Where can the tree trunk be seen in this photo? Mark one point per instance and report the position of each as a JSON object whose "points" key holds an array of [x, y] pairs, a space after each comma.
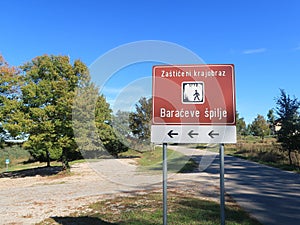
{"points": [[48, 158], [65, 165], [64, 161], [290, 157]]}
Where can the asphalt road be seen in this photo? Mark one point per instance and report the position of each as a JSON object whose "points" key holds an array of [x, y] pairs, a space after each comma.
{"points": [[269, 194]]}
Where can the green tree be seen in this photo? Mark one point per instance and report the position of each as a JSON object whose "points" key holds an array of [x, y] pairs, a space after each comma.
{"points": [[47, 96], [83, 116], [260, 127], [8, 80], [288, 115], [107, 135], [140, 120], [271, 120], [120, 123], [241, 127], [12, 116]]}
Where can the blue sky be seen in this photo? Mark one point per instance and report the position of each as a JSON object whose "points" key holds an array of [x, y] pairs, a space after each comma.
{"points": [[262, 38]]}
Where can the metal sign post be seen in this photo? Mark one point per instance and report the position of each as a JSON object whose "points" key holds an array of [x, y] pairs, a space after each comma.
{"points": [[222, 188], [165, 177]]}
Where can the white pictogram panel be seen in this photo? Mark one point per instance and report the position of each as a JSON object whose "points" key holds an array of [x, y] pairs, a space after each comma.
{"points": [[192, 92]]}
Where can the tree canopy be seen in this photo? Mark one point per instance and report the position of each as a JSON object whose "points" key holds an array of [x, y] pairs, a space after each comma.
{"points": [[37, 99], [108, 137], [241, 127], [11, 114], [287, 111], [260, 127], [271, 120], [47, 97], [140, 120]]}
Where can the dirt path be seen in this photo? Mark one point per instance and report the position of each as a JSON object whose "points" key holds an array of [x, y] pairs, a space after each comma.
{"points": [[29, 200]]}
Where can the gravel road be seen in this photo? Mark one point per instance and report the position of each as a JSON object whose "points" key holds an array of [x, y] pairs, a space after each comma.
{"points": [[31, 199]]}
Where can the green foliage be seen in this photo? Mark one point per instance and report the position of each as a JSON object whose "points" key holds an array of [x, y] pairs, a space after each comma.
{"points": [[289, 118], [38, 99], [83, 116], [241, 127], [9, 77], [140, 120], [120, 123], [15, 154], [268, 152], [271, 120], [260, 127], [11, 116], [47, 97], [177, 162], [105, 130]]}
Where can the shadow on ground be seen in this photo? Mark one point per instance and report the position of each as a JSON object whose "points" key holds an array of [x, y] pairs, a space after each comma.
{"points": [[87, 220], [81, 221], [40, 171]]}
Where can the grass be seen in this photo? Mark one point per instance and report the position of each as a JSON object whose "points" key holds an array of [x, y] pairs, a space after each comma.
{"points": [[146, 209], [266, 152], [177, 162], [131, 154], [21, 165], [147, 161], [15, 154], [32, 165], [20, 159], [251, 148]]}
